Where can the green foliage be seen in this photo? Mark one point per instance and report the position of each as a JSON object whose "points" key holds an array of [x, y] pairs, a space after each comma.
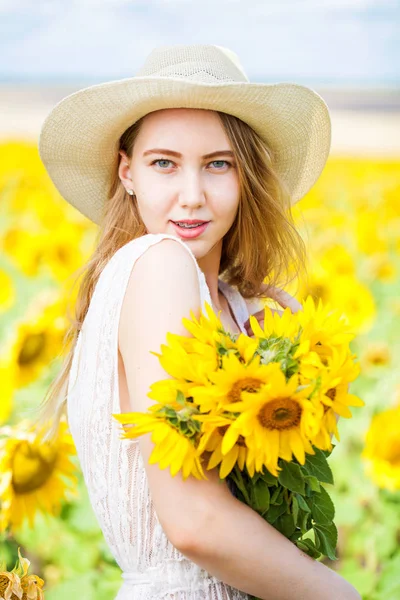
{"points": [[295, 503], [318, 467]]}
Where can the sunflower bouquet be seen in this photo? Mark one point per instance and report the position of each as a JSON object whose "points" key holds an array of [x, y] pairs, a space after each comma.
{"points": [[263, 408]]}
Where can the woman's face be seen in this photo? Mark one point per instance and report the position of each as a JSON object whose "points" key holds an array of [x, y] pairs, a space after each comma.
{"points": [[187, 184]]}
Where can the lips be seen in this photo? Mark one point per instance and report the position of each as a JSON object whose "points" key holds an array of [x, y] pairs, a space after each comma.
{"points": [[187, 222], [190, 232]]}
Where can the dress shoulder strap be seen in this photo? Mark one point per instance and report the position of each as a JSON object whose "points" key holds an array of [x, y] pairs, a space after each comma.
{"points": [[236, 302]]}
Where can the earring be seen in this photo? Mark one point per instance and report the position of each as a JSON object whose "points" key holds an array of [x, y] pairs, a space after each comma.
{"points": [[130, 192]]}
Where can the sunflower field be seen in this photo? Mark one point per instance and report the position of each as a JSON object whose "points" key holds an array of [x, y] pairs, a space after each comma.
{"points": [[350, 221]]}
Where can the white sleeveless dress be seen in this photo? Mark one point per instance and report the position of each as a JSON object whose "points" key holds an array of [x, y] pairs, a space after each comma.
{"points": [[113, 469]]}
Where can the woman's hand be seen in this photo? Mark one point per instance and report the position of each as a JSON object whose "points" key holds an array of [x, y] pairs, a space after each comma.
{"points": [[282, 297]]}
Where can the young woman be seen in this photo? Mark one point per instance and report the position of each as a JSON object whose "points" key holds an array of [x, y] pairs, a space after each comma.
{"points": [[190, 171]]}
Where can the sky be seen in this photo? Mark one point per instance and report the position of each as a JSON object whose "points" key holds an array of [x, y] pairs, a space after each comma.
{"points": [[348, 42]]}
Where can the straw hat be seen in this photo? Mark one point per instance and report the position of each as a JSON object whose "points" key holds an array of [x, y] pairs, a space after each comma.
{"points": [[79, 139]]}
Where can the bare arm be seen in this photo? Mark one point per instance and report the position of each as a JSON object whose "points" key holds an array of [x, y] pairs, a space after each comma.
{"points": [[202, 518], [239, 547]]}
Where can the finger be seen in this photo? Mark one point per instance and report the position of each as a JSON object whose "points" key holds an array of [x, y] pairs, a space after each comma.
{"points": [[284, 298]]}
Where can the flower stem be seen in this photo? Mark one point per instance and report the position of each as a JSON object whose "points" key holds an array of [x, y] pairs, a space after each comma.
{"points": [[238, 479]]}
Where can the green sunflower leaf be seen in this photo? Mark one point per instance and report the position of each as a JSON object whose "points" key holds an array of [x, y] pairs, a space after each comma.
{"points": [[291, 477], [308, 547], [274, 512], [317, 465], [305, 524], [313, 483], [302, 503], [285, 524], [322, 508], [268, 477], [261, 496], [327, 536], [277, 496]]}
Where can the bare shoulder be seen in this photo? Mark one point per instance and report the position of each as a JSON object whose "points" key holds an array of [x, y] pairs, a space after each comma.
{"points": [[166, 254], [163, 287]]}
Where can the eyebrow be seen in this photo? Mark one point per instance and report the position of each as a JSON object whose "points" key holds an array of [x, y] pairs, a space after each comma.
{"points": [[179, 155]]}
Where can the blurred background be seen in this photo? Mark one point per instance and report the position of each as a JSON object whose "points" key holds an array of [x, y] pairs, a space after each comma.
{"points": [[347, 51]]}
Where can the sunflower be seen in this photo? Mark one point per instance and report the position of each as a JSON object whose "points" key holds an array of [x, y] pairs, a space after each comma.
{"points": [[178, 363], [335, 384], [376, 354], [381, 453], [323, 327], [357, 302], [35, 250], [10, 584], [331, 390], [205, 329], [328, 427], [31, 474], [284, 325], [166, 391], [64, 252], [274, 422], [214, 428], [246, 347], [37, 339], [172, 448], [227, 384], [25, 247], [30, 586]]}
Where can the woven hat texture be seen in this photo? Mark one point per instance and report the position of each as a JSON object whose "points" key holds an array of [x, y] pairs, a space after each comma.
{"points": [[79, 139]]}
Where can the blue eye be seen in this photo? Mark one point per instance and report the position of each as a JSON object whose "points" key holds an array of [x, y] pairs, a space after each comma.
{"points": [[221, 161], [161, 160]]}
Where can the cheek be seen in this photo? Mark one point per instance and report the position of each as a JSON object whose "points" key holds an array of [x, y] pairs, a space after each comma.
{"points": [[225, 202], [154, 205], [226, 189]]}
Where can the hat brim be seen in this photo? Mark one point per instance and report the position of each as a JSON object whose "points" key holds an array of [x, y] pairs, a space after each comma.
{"points": [[79, 139]]}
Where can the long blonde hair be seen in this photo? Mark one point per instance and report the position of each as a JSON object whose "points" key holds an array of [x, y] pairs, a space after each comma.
{"points": [[263, 243]]}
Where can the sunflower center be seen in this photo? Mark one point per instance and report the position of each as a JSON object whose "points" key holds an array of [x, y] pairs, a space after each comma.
{"points": [[31, 348], [63, 254], [281, 413], [331, 393], [379, 358], [247, 384], [31, 468]]}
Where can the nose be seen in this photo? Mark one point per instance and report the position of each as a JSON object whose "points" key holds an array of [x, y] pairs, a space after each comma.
{"points": [[192, 190]]}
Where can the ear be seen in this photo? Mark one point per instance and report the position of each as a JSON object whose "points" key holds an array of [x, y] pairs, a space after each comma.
{"points": [[123, 169]]}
